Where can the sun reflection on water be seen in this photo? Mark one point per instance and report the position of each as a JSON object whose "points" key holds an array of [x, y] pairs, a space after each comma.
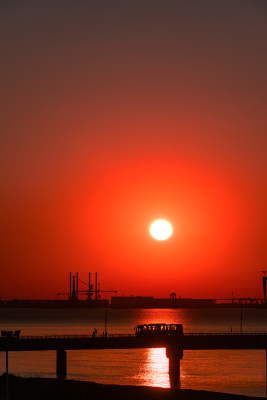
{"points": [[155, 372]]}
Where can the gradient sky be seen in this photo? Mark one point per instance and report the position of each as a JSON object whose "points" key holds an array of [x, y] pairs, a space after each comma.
{"points": [[118, 112]]}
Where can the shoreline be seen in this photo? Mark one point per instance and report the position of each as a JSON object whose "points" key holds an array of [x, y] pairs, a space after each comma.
{"points": [[55, 389]]}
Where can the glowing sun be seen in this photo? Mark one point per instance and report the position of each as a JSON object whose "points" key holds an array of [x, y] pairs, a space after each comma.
{"points": [[160, 229]]}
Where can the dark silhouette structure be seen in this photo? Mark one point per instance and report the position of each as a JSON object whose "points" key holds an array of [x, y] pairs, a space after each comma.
{"points": [[264, 283], [175, 345], [89, 290]]}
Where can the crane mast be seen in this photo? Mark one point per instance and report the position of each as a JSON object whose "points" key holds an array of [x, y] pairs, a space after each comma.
{"points": [[264, 283], [90, 290]]}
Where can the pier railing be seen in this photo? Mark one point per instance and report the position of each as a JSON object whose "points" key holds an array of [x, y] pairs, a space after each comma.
{"points": [[125, 335], [175, 345]]}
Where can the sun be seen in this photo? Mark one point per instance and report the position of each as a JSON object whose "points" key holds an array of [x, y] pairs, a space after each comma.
{"points": [[160, 229]]}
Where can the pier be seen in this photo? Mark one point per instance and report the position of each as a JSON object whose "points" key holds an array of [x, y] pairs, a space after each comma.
{"points": [[175, 345]]}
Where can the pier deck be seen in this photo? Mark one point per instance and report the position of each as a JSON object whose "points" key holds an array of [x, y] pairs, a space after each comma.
{"points": [[175, 346], [189, 341]]}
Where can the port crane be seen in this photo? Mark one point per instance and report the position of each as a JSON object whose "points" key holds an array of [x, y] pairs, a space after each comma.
{"points": [[90, 290]]}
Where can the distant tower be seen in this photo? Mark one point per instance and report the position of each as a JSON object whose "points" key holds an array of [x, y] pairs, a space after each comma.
{"points": [[264, 283], [73, 297]]}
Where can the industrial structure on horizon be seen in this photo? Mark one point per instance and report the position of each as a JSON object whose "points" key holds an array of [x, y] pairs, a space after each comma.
{"points": [[92, 299], [264, 283], [174, 302], [91, 292]]}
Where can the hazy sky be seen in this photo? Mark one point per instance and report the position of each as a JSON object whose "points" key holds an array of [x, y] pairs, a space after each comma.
{"points": [[115, 113]]}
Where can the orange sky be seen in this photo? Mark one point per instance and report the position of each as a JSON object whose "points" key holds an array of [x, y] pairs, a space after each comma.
{"points": [[117, 113]]}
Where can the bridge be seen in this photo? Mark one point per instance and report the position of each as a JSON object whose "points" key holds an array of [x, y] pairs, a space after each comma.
{"points": [[175, 345]]}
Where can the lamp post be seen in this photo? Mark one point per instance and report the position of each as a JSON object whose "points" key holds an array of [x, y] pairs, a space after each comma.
{"points": [[106, 319], [7, 388], [241, 316]]}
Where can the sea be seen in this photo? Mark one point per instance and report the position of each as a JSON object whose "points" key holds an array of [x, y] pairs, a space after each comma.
{"points": [[230, 371]]}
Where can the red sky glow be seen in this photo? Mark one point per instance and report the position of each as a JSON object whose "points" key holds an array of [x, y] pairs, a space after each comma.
{"points": [[117, 113]]}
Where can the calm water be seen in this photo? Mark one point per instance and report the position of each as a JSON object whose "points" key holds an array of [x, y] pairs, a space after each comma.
{"points": [[240, 372]]}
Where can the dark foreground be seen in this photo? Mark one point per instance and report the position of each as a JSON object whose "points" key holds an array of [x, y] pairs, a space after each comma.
{"points": [[50, 389]]}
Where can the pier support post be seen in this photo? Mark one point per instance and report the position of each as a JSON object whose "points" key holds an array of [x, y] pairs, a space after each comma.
{"points": [[266, 373], [7, 382], [61, 363], [174, 355]]}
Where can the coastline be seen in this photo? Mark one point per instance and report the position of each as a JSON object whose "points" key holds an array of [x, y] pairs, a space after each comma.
{"points": [[55, 389]]}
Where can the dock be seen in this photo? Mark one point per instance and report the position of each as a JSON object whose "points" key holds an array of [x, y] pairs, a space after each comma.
{"points": [[174, 345]]}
